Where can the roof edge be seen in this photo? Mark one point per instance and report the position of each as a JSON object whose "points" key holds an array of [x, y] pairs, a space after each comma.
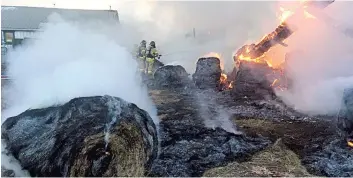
{"points": [[112, 10], [18, 29]]}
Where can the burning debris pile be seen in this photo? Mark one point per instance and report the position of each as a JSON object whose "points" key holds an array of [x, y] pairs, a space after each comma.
{"points": [[91, 136], [253, 57], [252, 81]]}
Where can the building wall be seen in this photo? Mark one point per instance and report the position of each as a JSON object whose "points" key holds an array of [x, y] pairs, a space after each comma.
{"points": [[24, 34], [12, 38]]}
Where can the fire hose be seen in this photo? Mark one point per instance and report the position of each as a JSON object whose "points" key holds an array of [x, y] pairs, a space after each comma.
{"points": [[178, 52]]}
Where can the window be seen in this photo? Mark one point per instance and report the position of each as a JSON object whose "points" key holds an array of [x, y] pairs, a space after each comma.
{"points": [[2, 38], [9, 37]]}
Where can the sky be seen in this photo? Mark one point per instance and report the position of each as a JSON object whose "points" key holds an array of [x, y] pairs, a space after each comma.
{"points": [[124, 6], [79, 4]]}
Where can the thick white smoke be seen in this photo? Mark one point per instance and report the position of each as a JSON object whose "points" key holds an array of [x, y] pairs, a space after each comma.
{"points": [[323, 69], [220, 26], [67, 61], [319, 76]]}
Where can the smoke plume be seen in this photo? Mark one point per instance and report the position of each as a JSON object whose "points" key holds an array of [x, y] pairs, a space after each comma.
{"points": [[213, 114], [321, 69], [219, 26], [68, 60], [320, 74]]}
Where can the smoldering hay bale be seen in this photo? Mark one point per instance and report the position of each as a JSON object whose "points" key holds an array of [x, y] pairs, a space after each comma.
{"points": [[157, 64], [345, 117], [208, 73], [73, 140], [171, 76], [334, 160], [6, 172], [335, 157], [252, 81]]}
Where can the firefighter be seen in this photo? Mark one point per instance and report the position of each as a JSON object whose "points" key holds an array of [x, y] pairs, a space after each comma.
{"points": [[151, 56], [141, 55]]}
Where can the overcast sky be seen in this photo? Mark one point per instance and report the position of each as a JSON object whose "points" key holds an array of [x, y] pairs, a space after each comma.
{"points": [[81, 4]]}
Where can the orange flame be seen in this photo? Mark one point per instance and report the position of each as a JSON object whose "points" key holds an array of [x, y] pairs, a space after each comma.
{"points": [[223, 78], [274, 82], [213, 54], [225, 83], [350, 143], [230, 86]]}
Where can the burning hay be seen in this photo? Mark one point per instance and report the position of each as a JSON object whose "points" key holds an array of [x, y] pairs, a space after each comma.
{"points": [[92, 136], [252, 81], [256, 52]]}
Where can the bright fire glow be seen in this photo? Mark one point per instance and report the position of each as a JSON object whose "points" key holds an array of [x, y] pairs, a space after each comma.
{"points": [[223, 78], [230, 86], [212, 54], [285, 14], [216, 55], [274, 82], [257, 60], [350, 143], [308, 15], [225, 83]]}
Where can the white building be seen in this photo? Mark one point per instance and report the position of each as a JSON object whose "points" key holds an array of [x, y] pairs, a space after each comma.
{"points": [[20, 22]]}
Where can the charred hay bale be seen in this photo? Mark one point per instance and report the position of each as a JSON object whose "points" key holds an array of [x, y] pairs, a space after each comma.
{"points": [[251, 81], [208, 73], [345, 119], [189, 148], [171, 76], [157, 64], [334, 160], [232, 75], [6, 172], [88, 136]]}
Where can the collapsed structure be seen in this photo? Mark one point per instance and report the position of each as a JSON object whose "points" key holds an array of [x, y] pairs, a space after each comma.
{"points": [[255, 52]]}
